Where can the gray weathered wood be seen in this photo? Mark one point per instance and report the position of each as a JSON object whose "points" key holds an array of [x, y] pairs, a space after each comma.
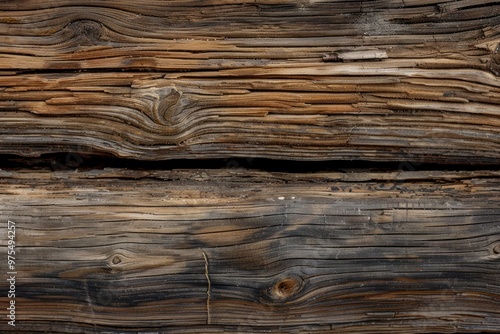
{"points": [[127, 250]]}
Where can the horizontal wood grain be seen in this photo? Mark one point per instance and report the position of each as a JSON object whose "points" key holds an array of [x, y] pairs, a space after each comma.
{"points": [[210, 251], [302, 80]]}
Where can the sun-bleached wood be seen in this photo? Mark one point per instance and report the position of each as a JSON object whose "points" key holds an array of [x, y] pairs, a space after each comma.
{"points": [[302, 80], [211, 251]]}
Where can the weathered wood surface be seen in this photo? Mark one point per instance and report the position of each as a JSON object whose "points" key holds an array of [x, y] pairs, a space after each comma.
{"points": [[201, 251], [311, 80]]}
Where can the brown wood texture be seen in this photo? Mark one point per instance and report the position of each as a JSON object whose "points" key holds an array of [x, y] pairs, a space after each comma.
{"points": [[210, 251], [302, 80]]}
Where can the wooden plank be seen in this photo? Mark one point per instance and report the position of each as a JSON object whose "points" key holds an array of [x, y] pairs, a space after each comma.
{"points": [[209, 251], [414, 80]]}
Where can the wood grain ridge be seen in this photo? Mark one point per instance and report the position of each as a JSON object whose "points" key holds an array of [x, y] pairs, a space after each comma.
{"points": [[204, 251], [302, 80]]}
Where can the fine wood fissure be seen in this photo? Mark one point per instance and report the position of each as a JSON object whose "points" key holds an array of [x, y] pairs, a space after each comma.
{"points": [[209, 285]]}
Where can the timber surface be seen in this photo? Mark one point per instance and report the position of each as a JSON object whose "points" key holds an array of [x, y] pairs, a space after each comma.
{"points": [[402, 80], [210, 251]]}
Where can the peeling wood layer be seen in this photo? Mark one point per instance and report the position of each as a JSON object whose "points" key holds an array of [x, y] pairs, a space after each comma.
{"points": [[301, 80]]}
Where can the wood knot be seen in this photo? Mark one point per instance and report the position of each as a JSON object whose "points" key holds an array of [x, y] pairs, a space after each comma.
{"points": [[285, 288], [496, 249], [164, 104], [114, 261], [86, 32], [495, 61]]}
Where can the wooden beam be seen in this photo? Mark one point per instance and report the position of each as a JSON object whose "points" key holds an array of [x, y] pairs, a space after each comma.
{"points": [[302, 80], [209, 251]]}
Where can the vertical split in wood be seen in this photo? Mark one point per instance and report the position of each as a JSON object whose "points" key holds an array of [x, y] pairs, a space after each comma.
{"points": [[208, 285]]}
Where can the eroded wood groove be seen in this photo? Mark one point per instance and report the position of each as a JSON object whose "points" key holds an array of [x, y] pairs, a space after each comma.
{"points": [[417, 80], [119, 249]]}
